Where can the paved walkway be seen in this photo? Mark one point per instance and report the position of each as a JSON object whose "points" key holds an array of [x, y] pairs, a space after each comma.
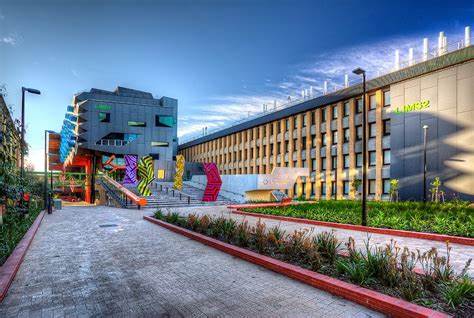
{"points": [[460, 254], [80, 264]]}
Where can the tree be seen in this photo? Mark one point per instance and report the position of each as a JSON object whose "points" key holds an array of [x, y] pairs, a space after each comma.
{"points": [[356, 183], [394, 190]]}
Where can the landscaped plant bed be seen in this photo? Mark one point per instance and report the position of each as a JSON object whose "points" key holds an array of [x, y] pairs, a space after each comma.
{"points": [[385, 273], [451, 218], [370, 229], [16, 235]]}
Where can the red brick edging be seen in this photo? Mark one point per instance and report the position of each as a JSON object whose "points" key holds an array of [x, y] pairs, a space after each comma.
{"points": [[388, 305], [9, 269], [419, 235]]}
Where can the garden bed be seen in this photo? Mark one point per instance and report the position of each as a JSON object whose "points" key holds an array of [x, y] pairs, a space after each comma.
{"points": [[455, 219], [387, 270], [18, 246], [13, 229]]}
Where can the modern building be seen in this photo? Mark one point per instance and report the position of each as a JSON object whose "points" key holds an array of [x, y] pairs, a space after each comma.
{"points": [[100, 127], [325, 134], [10, 139]]}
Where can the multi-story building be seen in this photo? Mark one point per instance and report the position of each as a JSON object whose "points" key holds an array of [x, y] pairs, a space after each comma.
{"points": [[325, 135], [100, 124], [9, 136]]}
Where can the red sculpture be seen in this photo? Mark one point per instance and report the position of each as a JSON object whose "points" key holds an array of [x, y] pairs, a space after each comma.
{"points": [[214, 182]]}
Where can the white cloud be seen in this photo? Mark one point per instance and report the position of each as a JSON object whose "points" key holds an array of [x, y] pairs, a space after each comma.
{"points": [[376, 58], [10, 40]]}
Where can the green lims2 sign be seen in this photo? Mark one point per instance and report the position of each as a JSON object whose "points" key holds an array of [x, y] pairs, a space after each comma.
{"points": [[412, 107]]}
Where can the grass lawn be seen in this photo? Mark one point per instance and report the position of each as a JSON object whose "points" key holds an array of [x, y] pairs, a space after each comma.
{"points": [[12, 231], [447, 218]]}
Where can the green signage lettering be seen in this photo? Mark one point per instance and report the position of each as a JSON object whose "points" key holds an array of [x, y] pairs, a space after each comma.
{"points": [[103, 107], [412, 107]]}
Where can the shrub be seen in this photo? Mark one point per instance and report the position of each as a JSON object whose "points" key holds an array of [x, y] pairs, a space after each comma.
{"points": [[457, 291], [328, 245]]}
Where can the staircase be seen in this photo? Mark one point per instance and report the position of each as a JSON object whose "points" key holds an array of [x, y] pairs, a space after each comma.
{"points": [[163, 196]]}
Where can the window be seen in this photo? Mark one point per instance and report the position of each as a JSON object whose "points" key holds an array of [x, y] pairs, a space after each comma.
{"points": [[314, 142], [386, 186], [164, 121], [372, 130], [305, 165], [323, 115], [160, 174], [334, 112], [386, 98], [295, 122], [313, 118], [323, 188], [137, 123], [360, 106], [346, 134], [295, 163], [372, 186], [386, 157], [313, 189], [303, 143], [347, 108], [104, 117], [359, 133], [323, 164], [334, 163], [346, 187], [372, 158], [287, 124], [304, 120], [271, 129], [386, 127], [314, 165], [333, 188], [159, 144], [323, 139], [334, 137], [130, 137], [287, 146], [359, 160], [346, 161], [372, 102]]}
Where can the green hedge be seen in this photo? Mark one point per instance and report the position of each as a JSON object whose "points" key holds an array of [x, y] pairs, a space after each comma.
{"points": [[452, 218], [13, 229]]}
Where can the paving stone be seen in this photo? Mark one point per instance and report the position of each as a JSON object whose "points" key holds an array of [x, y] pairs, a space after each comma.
{"points": [[74, 268]]}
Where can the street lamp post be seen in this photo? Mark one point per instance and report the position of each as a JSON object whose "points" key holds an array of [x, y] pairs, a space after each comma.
{"points": [[46, 201], [22, 145], [335, 172], [425, 130], [359, 71]]}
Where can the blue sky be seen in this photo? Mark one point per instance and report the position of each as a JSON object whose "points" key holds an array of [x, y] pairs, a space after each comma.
{"points": [[220, 59]]}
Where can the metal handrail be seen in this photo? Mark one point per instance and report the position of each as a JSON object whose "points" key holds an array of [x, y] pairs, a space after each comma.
{"points": [[181, 194], [127, 194]]}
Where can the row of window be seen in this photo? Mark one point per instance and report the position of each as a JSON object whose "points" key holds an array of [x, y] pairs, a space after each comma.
{"points": [[160, 120], [346, 187], [334, 113]]}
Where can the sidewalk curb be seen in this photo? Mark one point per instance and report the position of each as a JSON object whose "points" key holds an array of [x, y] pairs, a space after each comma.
{"points": [[9, 269], [388, 305], [419, 235]]}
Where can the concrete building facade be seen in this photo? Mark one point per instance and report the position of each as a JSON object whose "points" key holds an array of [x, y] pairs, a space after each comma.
{"points": [[325, 135], [10, 139]]}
